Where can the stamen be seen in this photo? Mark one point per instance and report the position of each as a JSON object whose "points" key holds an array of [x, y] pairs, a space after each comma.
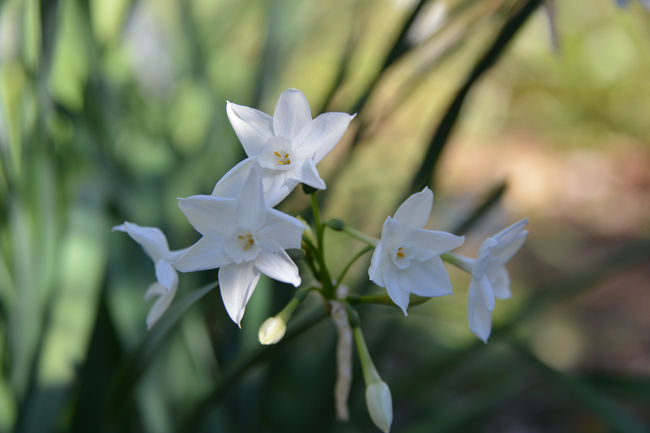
{"points": [[400, 254], [282, 159]]}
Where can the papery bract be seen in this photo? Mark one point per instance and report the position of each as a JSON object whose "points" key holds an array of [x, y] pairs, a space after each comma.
{"points": [[286, 146], [407, 259], [243, 237]]}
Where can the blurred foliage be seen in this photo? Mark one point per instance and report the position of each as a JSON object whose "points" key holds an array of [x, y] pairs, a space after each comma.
{"points": [[109, 109]]}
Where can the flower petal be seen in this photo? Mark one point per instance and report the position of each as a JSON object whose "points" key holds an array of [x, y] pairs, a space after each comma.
{"points": [[436, 242], [253, 127], [231, 183], [479, 317], [281, 229], [500, 281], [151, 239], [376, 263], [279, 266], [292, 114], [251, 208], [326, 131], [308, 175], [277, 186], [415, 211], [209, 215], [207, 253], [237, 282], [398, 294], [503, 253], [160, 305], [509, 233], [484, 289], [428, 278], [166, 275]]}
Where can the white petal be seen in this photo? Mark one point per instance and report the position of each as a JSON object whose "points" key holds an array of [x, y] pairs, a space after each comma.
{"points": [[326, 131], [435, 241], [166, 275], [399, 294], [160, 305], [154, 289], [308, 175], [253, 128], [479, 317], [277, 186], [500, 281], [251, 208], [392, 232], [484, 289], [415, 211], [231, 183], [151, 239], [509, 233], [428, 278], [237, 284], [292, 114], [282, 229], [503, 253], [209, 215], [376, 263], [207, 253], [279, 266]]}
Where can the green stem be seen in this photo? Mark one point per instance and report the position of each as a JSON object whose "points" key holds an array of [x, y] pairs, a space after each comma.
{"points": [[326, 280], [351, 262], [384, 299], [373, 242], [459, 261], [370, 373]]}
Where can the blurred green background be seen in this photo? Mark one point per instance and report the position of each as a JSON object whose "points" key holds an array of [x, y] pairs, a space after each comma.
{"points": [[110, 109]]}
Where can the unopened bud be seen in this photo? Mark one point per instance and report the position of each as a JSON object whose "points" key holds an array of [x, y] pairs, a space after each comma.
{"points": [[272, 330], [380, 405]]}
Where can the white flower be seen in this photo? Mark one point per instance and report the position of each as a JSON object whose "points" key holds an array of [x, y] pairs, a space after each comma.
{"points": [[288, 145], [154, 243], [407, 259], [243, 237], [490, 278], [380, 405]]}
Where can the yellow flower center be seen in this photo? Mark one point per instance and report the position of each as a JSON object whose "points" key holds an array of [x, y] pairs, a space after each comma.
{"points": [[400, 254], [247, 241], [282, 159]]}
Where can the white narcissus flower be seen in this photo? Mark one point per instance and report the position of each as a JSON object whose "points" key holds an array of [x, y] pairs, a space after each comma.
{"points": [[490, 278], [243, 237], [380, 405], [288, 145], [154, 243], [407, 259]]}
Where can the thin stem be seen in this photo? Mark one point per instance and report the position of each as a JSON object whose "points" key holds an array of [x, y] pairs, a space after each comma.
{"points": [[351, 262], [464, 263], [384, 299], [326, 280], [373, 242]]}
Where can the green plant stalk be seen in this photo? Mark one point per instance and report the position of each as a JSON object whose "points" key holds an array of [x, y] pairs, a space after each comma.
{"points": [[460, 262], [384, 299], [326, 280], [351, 262], [373, 242]]}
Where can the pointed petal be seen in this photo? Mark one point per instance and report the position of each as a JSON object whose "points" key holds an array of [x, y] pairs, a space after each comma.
{"points": [[209, 215], [231, 183], [500, 281], [325, 132], [374, 271], [279, 266], [151, 239], [207, 253], [435, 241], [292, 114], [415, 211], [166, 275], [503, 253], [251, 208], [479, 317], [484, 289], [237, 282], [398, 294], [253, 128], [309, 175], [510, 232], [154, 289], [428, 278], [281, 229], [277, 186], [159, 307]]}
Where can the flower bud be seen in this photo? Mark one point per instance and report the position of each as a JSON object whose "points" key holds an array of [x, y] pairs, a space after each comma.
{"points": [[272, 330], [380, 405]]}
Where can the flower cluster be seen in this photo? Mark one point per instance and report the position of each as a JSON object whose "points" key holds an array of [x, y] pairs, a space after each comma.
{"points": [[244, 236]]}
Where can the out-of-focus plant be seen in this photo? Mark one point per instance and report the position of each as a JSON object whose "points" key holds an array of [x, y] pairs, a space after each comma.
{"points": [[109, 108]]}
